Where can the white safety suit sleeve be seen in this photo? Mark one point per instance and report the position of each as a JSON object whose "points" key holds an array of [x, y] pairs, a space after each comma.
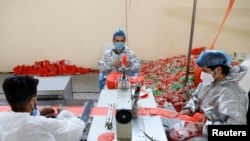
{"points": [[22, 126], [65, 114], [192, 104], [109, 57]]}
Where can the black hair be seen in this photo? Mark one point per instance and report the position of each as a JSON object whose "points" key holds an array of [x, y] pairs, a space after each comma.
{"points": [[225, 68], [19, 90]]}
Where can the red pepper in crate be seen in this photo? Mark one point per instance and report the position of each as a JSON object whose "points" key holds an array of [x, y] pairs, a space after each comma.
{"points": [[113, 79]]}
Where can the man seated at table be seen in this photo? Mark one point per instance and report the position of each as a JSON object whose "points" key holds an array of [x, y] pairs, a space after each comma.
{"points": [[112, 59], [19, 124]]}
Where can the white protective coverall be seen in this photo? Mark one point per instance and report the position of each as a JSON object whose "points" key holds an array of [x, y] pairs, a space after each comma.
{"points": [[24, 127], [109, 57], [223, 102]]}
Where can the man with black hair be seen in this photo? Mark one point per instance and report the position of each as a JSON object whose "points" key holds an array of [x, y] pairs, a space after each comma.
{"points": [[19, 124], [112, 58]]}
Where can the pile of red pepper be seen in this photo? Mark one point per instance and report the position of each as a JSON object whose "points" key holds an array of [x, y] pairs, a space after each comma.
{"points": [[47, 68], [167, 79]]}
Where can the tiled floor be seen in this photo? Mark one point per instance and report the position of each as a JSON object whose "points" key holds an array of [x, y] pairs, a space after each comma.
{"points": [[84, 87]]}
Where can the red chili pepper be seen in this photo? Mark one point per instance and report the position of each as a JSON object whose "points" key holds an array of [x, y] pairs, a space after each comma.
{"points": [[124, 59]]}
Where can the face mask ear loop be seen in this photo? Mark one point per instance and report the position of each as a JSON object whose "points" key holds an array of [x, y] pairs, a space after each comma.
{"points": [[215, 73], [35, 111]]}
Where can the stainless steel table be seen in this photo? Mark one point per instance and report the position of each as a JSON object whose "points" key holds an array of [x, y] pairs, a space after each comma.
{"points": [[150, 124]]}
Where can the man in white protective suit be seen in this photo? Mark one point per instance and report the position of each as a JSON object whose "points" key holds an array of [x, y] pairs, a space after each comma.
{"points": [[19, 124]]}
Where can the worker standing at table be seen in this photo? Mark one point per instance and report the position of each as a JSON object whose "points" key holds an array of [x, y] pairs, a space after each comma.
{"points": [[112, 58]]}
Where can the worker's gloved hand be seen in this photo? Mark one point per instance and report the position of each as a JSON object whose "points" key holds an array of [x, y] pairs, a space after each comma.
{"points": [[199, 126], [48, 111], [186, 112], [127, 64], [117, 64]]}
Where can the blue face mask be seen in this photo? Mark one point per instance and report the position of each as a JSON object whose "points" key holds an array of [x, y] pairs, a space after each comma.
{"points": [[35, 111], [119, 45]]}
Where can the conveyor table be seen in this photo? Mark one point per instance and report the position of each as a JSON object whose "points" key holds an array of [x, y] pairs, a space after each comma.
{"points": [[150, 124]]}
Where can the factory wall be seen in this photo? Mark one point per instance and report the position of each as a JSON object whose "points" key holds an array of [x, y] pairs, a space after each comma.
{"points": [[76, 30]]}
